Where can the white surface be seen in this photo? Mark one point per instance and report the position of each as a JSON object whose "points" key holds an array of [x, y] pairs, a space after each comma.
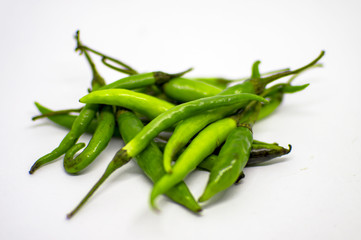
{"points": [[314, 193]]}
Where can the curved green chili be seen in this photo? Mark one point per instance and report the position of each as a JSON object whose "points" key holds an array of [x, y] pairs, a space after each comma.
{"points": [[150, 161], [232, 159], [79, 126], [233, 155], [185, 90], [186, 129], [176, 114], [202, 146], [97, 144], [191, 126], [145, 104]]}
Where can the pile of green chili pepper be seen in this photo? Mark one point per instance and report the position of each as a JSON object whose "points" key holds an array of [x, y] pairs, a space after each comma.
{"points": [[209, 120]]}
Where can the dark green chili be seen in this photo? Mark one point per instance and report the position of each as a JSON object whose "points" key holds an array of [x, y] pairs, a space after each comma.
{"points": [[97, 144], [260, 153], [150, 161], [232, 159], [79, 126], [81, 123], [190, 127], [233, 155]]}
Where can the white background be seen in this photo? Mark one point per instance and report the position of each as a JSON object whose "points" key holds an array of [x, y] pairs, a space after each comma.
{"points": [[313, 193]]}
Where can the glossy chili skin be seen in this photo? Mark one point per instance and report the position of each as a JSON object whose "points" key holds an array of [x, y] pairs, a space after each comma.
{"points": [[167, 119], [100, 139], [150, 160], [147, 105], [123, 119], [234, 154], [214, 81], [232, 159], [185, 130], [141, 80], [185, 90], [79, 126], [202, 146]]}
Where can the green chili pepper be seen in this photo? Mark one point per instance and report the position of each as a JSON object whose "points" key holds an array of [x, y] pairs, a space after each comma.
{"points": [[189, 159], [79, 126], [143, 79], [147, 105], [81, 123], [67, 120], [260, 153], [64, 120], [188, 128], [185, 130], [150, 161], [233, 155], [191, 126], [215, 81], [185, 90], [169, 118], [88, 113], [97, 144], [232, 159], [202, 146], [164, 121]]}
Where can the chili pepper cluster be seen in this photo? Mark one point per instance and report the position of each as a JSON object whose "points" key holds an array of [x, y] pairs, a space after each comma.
{"points": [[210, 121]]}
